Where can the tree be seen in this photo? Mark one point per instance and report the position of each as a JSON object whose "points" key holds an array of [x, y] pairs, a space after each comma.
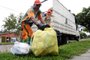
{"points": [[10, 23], [19, 23], [83, 18], [13, 24]]}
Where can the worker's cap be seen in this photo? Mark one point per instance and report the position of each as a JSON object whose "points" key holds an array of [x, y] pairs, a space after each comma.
{"points": [[37, 2]]}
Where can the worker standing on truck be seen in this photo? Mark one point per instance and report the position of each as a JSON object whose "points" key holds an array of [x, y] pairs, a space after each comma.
{"points": [[48, 16], [33, 15]]}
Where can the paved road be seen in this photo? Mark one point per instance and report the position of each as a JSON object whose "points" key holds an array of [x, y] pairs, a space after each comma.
{"points": [[85, 56], [5, 48]]}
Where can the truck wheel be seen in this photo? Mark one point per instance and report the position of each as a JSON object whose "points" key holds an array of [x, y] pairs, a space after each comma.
{"points": [[59, 40], [58, 37], [64, 39], [77, 38]]}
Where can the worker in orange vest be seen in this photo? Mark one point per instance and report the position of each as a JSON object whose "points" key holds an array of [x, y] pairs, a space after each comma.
{"points": [[48, 16], [33, 15]]}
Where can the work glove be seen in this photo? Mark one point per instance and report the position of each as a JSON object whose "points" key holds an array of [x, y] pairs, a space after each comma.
{"points": [[42, 26]]}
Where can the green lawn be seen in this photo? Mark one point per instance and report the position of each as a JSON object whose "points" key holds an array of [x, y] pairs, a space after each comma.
{"points": [[6, 43], [65, 52]]}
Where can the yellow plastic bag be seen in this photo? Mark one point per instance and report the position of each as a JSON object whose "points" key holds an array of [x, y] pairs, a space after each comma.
{"points": [[44, 42]]}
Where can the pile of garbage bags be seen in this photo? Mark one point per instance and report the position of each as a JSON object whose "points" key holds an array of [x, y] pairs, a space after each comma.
{"points": [[44, 42]]}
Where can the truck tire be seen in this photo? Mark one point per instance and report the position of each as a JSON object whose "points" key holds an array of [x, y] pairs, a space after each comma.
{"points": [[58, 37], [64, 39], [77, 38]]}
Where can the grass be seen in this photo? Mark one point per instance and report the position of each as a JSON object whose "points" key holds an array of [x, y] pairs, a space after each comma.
{"points": [[6, 43], [65, 52]]}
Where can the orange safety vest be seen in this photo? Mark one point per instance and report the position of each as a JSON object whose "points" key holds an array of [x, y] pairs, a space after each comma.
{"points": [[26, 29]]}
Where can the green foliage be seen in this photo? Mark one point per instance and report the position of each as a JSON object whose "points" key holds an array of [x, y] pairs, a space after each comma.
{"points": [[83, 18], [10, 23], [6, 43], [65, 52], [85, 29], [82, 35]]}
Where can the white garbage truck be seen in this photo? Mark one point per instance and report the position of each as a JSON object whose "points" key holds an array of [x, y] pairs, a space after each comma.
{"points": [[63, 21]]}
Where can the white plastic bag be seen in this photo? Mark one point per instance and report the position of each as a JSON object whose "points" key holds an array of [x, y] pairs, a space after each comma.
{"points": [[20, 48]]}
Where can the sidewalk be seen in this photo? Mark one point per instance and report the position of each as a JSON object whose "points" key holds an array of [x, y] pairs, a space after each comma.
{"points": [[5, 48], [85, 56]]}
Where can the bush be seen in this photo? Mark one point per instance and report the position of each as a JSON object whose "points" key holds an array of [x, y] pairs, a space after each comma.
{"points": [[83, 35]]}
